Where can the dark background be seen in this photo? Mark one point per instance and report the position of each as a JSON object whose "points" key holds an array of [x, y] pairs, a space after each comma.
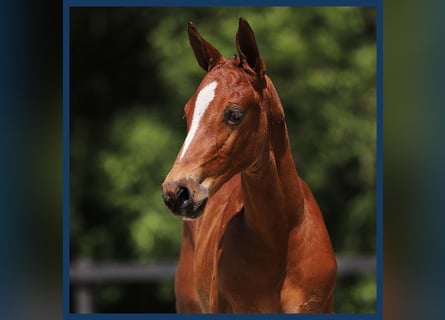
{"points": [[132, 70]]}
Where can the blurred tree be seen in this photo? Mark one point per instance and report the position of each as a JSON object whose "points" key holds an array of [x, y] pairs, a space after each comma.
{"points": [[132, 70]]}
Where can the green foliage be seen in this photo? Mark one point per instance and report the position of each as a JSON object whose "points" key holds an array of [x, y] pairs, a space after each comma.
{"points": [[134, 165], [356, 295], [132, 72]]}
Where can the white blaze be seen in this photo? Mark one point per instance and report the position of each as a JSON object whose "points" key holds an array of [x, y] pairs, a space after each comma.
{"points": [[205, 96]]}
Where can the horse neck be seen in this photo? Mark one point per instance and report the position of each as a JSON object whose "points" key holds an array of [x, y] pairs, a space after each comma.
{"points": [[272, 192]]}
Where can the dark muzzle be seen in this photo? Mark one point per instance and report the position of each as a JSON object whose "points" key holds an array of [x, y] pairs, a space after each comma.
{"points": [[186, 200]]}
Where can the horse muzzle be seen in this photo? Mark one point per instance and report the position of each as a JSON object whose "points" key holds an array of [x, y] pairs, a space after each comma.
{"points": [[185, 198]]}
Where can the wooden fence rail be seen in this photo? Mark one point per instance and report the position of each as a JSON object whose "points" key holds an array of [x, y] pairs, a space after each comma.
{"points": [[84, 274]]}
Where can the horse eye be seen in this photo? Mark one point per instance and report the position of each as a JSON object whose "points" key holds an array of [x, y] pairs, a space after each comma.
{"points": [[233, 116]]}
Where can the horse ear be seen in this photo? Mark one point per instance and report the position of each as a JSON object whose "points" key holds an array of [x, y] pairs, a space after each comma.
{"points": [[248, 49], [206, 55]]}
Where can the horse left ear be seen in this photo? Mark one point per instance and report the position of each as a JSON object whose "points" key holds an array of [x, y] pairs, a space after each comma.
{"points": [[248, 49]]}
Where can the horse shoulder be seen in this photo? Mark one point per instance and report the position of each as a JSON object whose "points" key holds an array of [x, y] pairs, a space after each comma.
{"points": [[311, 264]]}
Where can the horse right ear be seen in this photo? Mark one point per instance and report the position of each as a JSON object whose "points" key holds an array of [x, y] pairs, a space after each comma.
{"points": [[206, 55]]}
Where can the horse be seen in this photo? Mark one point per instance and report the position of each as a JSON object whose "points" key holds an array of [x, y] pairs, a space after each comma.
{"points": [[254, 239]]}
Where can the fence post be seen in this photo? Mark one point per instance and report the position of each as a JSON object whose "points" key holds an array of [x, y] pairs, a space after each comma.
{"points": [[83, 297]]}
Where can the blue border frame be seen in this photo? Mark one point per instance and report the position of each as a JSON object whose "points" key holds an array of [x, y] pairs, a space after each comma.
{"points": [[66, 159], [67, 4], [172, 316], [379, 182], [227, 3]]}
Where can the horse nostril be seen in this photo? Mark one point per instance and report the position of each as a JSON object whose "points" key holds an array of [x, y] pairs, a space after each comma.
{"points": [[183, 197], [186, 199]]}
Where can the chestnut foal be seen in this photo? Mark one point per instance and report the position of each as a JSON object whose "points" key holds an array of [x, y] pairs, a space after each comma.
{"points": [[254, 239]]}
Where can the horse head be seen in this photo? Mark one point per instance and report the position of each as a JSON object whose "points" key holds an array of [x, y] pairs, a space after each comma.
{"points": [[227, 123]]}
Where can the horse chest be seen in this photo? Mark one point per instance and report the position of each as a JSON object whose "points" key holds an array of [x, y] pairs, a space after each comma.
{"points": [[237, 274]]}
